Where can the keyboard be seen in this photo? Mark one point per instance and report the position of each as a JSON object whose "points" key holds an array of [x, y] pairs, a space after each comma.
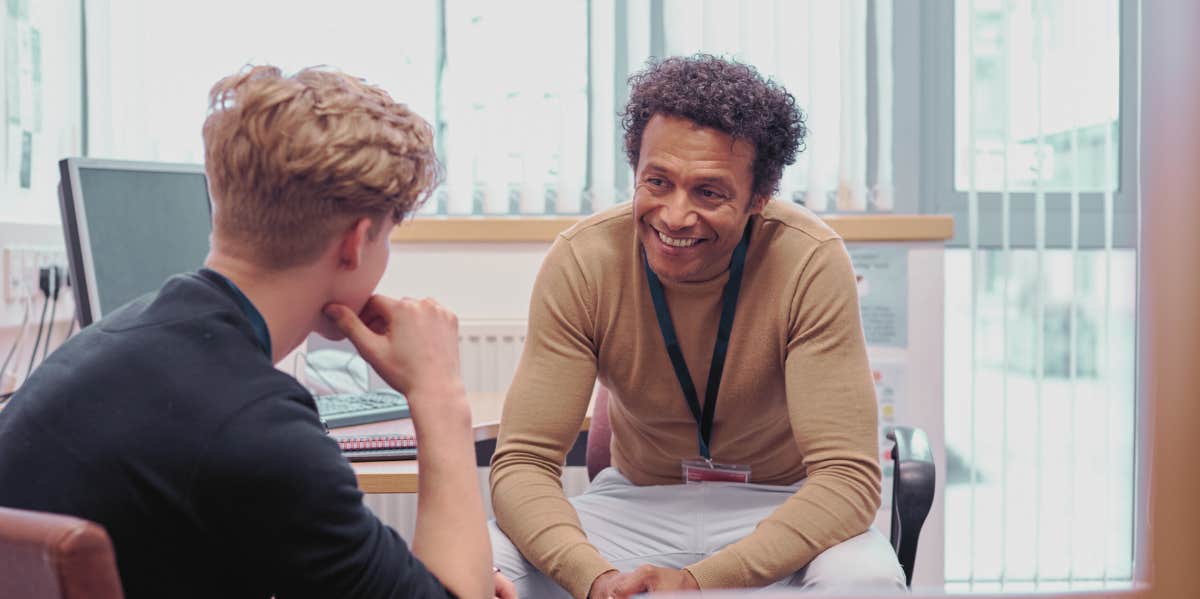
{"points": [[348, 409]]}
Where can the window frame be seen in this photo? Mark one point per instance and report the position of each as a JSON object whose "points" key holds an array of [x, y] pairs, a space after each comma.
{"points": [[924, 150]]}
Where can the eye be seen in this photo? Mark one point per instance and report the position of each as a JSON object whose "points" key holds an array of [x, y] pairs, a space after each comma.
{"points": [[655, 181], [711, 194]]}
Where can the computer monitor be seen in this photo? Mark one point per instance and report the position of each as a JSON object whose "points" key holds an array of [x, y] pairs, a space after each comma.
{"points": [[128, 227]]}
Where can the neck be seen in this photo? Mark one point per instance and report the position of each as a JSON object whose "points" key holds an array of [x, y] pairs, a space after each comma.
{"points": [[287, 299]]}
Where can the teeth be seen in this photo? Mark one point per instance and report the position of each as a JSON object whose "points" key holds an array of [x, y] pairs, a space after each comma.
{"points": [[679, 243]]}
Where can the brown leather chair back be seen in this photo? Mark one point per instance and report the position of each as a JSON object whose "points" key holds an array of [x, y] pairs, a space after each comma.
{"points": [[51, 556], [599, 450]]}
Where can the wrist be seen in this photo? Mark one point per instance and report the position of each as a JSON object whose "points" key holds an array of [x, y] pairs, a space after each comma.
{"points": [[596, 591], [444, 407], [689, 580]]}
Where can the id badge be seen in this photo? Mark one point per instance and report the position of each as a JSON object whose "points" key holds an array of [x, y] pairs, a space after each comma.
{"points": [[704, 471]]}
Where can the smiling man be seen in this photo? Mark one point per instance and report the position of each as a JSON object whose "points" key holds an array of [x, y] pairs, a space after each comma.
{"points": [[726, 327]]}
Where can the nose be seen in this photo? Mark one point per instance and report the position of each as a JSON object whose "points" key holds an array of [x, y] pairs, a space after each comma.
{"points": [[677, 212]]}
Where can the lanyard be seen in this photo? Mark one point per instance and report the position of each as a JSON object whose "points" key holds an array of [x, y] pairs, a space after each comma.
{"points": [[704, 419], [252, 314]]}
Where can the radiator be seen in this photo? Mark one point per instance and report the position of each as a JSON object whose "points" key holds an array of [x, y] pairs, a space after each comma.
{"points": [[489, 352]]}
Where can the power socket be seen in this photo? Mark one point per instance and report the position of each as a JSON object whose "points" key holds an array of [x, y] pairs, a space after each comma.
{"points": [[21, 264]]}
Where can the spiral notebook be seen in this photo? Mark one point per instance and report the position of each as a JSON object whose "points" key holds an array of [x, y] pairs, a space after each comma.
{"points": [[370, 448]]}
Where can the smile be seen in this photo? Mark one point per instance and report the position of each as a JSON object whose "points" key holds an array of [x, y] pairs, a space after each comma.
{"points": [[673, 242]]}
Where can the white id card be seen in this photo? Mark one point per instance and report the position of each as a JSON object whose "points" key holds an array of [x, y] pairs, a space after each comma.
{"points": [[703, 471]]}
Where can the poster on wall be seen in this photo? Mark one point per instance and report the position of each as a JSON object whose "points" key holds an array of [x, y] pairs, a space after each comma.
{"points": [[882, 277], [890, 395]]}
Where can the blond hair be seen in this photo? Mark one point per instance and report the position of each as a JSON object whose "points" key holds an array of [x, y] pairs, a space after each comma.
{"points": [[293, 161]]}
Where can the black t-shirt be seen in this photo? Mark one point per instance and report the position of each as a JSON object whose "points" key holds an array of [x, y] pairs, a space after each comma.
{"points": [[167, 424]]}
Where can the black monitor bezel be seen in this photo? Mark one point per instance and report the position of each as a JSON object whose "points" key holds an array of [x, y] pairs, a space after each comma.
{"points": [[72, 204]]}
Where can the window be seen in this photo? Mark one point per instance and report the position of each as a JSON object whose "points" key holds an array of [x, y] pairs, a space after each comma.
{"points": [[41, 122], [1037, 168], [526, 116], [152, 63], [513, 115]]}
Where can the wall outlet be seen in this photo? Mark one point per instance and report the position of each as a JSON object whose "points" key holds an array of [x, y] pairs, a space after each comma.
{"points": [[20, 268]]}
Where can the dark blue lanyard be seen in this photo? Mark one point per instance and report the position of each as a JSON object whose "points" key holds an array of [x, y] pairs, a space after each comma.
{"points": [[704, 419], [252, 314]]}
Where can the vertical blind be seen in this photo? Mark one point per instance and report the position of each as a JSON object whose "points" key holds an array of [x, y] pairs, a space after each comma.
{"points": [[525, 102], [1039, 341]]}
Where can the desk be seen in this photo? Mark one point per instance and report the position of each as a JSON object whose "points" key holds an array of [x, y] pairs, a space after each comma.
{"points": [[401, 476]]}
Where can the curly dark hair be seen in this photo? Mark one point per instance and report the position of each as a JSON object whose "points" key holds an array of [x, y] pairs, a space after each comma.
{"points": [[721, 94]]}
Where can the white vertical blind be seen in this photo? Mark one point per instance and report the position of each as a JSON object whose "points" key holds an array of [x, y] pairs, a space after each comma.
{"points": [[824, 67], [1039, 357], [526, 114]]}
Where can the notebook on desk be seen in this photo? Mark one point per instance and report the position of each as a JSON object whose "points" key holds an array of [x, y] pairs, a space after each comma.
{"points": [[373, 448]]}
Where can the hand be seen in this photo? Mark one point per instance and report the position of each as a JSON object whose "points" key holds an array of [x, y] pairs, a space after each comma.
{"points": [[646, 579], [504, 587], [412, 344], [604, 585]]}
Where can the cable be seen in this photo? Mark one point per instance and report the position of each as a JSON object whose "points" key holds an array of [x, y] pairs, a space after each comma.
{"points": [[12, 351], [38, 339], [50, 328], [52, 288]]}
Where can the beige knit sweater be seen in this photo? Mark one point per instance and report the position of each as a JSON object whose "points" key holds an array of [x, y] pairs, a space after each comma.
{"points": [[796, 399]]}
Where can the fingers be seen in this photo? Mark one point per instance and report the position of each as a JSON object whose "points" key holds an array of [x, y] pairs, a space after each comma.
{"points": [[504, 588], [348, 322], [633, 583]]}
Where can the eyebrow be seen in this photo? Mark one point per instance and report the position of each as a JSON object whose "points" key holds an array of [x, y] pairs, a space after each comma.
{"points": [[656, 168]]}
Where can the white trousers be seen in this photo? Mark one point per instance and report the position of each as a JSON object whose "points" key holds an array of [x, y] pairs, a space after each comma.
{"points": [[674, 526]]}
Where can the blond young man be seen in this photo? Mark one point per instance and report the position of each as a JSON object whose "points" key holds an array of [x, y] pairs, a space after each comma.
{"points": [[167, 423]]}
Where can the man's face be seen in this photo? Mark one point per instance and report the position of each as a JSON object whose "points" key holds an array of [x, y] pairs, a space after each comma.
{"points": [[692, 198]]}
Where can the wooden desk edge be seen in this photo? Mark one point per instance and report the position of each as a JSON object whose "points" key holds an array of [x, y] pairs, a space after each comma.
{"points": [[852, 228], [370, 481]]}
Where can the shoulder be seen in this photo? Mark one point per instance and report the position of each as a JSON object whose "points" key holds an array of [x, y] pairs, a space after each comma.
{"points": [[596, 248], [607, 234], [788, 238], [789, 223]]}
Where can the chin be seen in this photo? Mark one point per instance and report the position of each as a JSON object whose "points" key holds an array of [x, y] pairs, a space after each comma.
{"points": [[329, 330]]}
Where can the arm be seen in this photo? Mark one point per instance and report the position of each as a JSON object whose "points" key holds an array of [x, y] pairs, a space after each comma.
{"points": [[831, 404], [414, 347], [275, 492], [545, 406]]}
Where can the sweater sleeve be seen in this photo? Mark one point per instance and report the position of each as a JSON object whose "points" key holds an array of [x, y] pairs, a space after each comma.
{"points": [[276, 488], [833, 412], [544, 409]]}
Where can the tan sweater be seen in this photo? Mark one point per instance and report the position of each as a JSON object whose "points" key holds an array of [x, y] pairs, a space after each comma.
{"points": [[796, 398]]}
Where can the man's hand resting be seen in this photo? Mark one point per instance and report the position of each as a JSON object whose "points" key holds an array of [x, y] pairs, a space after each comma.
{"points": [[646, 579]]}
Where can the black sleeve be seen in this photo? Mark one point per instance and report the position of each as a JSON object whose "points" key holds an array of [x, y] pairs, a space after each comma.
{"points": [[276, 489]]}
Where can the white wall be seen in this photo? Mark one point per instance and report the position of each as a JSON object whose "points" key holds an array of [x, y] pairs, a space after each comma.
{"points": [[478, 281]]}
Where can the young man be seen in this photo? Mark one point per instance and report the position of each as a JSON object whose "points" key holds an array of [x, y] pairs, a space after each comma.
{"points": [[167, 423], [726, 327]]}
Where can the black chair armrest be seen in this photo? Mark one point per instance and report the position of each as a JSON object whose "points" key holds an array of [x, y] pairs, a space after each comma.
{"points": [[913, 478]]}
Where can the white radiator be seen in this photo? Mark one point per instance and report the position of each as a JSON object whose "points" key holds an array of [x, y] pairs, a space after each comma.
{"points": [[489, 352]]}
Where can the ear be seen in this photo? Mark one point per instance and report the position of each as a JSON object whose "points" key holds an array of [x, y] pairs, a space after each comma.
{"points": [[353, 243], [757, 203]]}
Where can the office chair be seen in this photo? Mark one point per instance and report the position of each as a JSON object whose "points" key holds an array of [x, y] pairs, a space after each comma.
{"points": [[51, 556], [912, 487]]}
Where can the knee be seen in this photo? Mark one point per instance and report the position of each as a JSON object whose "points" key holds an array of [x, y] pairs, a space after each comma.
{"points": [[505, 555], [863, 563], [876, 580]]}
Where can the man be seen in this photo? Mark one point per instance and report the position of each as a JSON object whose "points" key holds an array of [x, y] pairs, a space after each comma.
{"points": [[726, 327], [166, 421]]}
